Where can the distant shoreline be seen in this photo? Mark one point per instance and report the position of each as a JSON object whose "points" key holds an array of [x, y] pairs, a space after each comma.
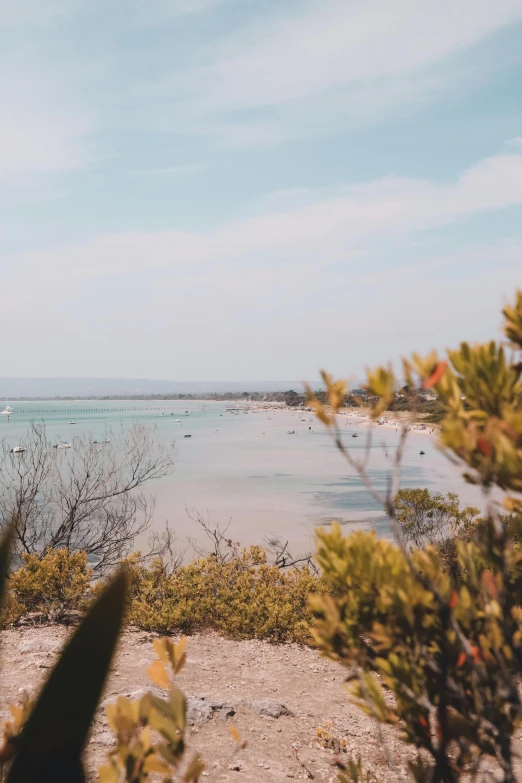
{"points": [[142, 398], [362, 414]]}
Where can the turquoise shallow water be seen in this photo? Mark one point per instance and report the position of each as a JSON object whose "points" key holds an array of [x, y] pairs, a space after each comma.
{"points": [[246, 468]]}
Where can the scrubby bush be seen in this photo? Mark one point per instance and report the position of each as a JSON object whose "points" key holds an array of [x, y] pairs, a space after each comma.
{"points": [[427, 519], [445, 643], [447, 651], [242, 598], [52, 584]]}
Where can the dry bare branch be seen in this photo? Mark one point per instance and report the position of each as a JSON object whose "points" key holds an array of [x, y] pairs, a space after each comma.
{"points": [[89, 497]]}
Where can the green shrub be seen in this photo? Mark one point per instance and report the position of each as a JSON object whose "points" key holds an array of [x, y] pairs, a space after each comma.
{"points": [[446, 643], [446, 651], [432, 519], [242, 598], [53, 584]]}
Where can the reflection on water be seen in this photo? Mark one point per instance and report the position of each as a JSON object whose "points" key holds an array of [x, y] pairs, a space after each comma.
{"points": [[246, 467], [354, 500]]}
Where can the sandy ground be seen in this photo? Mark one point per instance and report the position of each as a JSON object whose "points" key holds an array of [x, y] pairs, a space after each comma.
{"points": [[354, 417], [390, 421], [277, 696], [249, 678]]}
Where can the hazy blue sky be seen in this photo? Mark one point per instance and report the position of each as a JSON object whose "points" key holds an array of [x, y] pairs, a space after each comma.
{"points": [[251, 189]]}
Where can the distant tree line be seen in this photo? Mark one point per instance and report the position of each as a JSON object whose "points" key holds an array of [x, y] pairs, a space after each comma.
{"points": [[421, 401]]}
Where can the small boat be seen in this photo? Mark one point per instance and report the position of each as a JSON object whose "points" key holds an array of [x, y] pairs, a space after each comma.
{"points": [[188, 436], [291, 432], [355, 435], [175, 420], [422, 452], [101, 441], [62, 445], [18, 449], [72, 422]]}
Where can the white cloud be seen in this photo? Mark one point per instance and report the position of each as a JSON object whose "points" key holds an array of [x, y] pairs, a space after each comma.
{"points": [[328, 65], [167, 171], [45, 121], [348, 42], [237, 322], [156, 12], [320, 234], [44, 125], [40, 141], [34, 12], [185, 7]]}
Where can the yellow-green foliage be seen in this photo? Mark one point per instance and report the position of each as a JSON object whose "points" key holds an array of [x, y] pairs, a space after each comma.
{"points": [[243, 598], [433, 519], [53, 584], [138, 753], [434, 643], [328, 739], [446, 642], [485, 428], [11, 728]]}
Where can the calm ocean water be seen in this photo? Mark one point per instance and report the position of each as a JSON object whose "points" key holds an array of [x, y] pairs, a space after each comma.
{"points": [[247, 469]]}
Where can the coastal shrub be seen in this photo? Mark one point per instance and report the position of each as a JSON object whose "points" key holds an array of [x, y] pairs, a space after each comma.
{"points": [[12, 610], [433, 519], [447, 651], [242, 598], [240, 595], [445, 644], [53, 584]]}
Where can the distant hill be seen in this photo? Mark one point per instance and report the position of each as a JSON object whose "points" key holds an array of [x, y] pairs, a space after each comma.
{"points": [[12, 388]]}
